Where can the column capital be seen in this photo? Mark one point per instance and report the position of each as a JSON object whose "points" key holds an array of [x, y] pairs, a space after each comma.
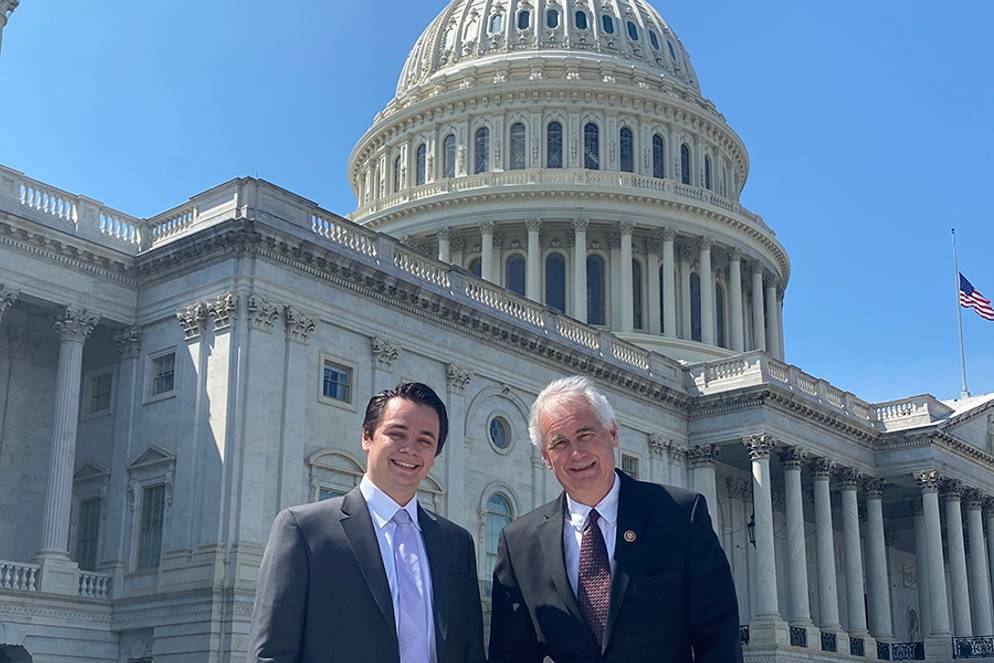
{"points": [[668, 235], [580, 225], [7, 297], [874, 488], [614, 240], [849, 478], [129, 342], [533, 225], [457, 378], [299, 326], [793, 458], [705, 243], [222, 310], [74, 323], [676, 454], [951, 490], [192, 320], [734, 255], [487, 227], [756, 267], [626, 227], [739, 488], [927, 481], [383, 352], [759, 446], [974, 499], [703, 455], [653, 245], [658, 444], [988, 504], [822, 468], [443, 233], [261, 313]]}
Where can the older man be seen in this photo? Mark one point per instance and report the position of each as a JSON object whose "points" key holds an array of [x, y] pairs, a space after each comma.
{"points": [[371, 576], [614, 569]]}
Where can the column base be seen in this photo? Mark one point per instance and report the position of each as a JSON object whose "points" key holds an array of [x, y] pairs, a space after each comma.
{"points": [[58, 574], [939, 647], [768, 631]]}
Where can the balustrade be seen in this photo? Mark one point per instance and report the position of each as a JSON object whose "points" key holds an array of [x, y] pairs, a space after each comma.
{"points": [[975, 647], [19, 576], [907, 651], [94, 585]]}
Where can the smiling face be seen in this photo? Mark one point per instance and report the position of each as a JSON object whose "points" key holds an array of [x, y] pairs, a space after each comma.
{"points": [[401, 448], [579, 448]]}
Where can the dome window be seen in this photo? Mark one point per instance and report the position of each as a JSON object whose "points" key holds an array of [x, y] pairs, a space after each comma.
{"points": [[608, 22], [654, 40], [591, 146], [685, 164], [481, 151], [518, 145], [496, 23], [581, 20], [552, 18], [669, 44], [524, 19], [555, 281], [595, 290], [514, 274], [636, 294], [554, 145], [627, 149], [420, 159], [695, 307], [449, 154], [633, 31], [707, 172], [658, 156]]}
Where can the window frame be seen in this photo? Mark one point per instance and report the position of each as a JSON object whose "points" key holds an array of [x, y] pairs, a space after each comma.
{"points": [[153, 467], [622, 156], [658, 165], [566, 278], [140, 541], [86, 410], [522, 145], [150, 375], [625, 455], [328, 358], [449, 160], [484, 132], [421, 164], [548, 144], [596, 135], [514, 255]]}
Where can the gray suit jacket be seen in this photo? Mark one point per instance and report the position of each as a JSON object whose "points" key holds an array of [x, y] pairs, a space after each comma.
{"points": [[323, 593]]}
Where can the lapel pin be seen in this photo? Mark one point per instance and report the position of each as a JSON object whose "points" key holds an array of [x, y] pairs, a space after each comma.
{"points": [[630, 536]]}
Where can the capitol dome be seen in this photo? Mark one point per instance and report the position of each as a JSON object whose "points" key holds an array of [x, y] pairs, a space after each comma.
{"points": [[548, 144]]}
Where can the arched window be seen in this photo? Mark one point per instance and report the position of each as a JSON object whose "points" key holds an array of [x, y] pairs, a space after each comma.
{"points": [[685, 163], [420, 169], [637, 294], [581, 20], [707, 172], [672, 52], [496, 517], [481, 150], [552, 18], [654, 39], [514, 274], [595, 290], [524, 19], [555, 281], [695, 306], [662, 301], [633, 31], [719, 314], [518, 146], [608, 22], [396, 175], [476, 268], [658, 156], [449, 156], [627, 150], [496, 23], [554, 145], [591, 146]]}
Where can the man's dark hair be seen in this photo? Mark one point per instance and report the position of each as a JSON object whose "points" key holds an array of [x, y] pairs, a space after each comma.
{"points": [[415, 392]]}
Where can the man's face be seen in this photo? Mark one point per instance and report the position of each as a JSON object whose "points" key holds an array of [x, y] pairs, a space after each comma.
{"points": [[402, 448], [579, 449]]}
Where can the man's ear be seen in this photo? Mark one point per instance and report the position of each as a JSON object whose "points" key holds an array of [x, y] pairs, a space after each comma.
{"points": [[367, 441], [614, 434], [545, 459]]}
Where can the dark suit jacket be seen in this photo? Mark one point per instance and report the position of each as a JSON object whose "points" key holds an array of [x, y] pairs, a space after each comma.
{"points": [[672, 597], [323, 594]]}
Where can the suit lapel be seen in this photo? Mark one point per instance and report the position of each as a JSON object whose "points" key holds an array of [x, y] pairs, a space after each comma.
{"points": [[441, 562], [632, 517], [358, 526], [550, 535]]}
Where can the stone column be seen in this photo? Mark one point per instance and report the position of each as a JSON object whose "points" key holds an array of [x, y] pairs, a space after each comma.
{"points": [[487, 251], [533, 269], [707, 291], [685, 326], [658, 465], [849, 479], [758, 315], [921, 563], [740, 492], [959, 590], [878, 583], [613, 313], [780, 349], [980, 583], [772, 328], [298, 327], [767, 624], [58, 574], [701, 460], [580, 269], [627, 289], [989, 516], [457, 378], [669, 284], [928, 483], [828, 595], [797, 557], [654, 325], [735, 300], [443, 246]]}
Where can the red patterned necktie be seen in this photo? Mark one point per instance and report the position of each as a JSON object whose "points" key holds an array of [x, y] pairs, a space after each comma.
{"points": [[593, 587]]}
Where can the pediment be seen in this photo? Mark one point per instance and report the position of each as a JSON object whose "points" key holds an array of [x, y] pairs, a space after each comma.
{"points": [[151, 456], [90, 471]]}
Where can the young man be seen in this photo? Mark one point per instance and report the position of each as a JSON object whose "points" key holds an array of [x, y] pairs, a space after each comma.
{"points": [[615, 569], [371, 576]]}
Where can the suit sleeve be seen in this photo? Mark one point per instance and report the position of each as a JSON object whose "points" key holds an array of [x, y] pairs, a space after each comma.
{"points": [[712, 606], [281, 596], [512, 634], [474, 644]]}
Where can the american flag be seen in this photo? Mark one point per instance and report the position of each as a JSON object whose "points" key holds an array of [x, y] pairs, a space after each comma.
{"points": [[970, 297]]}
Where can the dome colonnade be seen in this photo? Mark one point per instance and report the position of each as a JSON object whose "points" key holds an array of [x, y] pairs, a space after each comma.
{"points": [[561, 114]]}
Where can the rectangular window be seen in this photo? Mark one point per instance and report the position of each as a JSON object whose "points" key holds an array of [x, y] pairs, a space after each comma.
{"points": [[630, 465], [88, 530], [163, 374], [100, 388], [337, 382], [150, 535]]}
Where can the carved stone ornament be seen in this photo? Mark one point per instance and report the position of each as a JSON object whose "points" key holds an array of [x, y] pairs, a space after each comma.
{"points": [[928, 481], [192, 320], [457, 377], [129, 342], [580, 225], [822, 469], [223, 309], [7, 297], [384, 352], [299, 326], [74, 323], [973, 499], [874, 488], [759, 446], [261, 314], [952, 489], [792, 458], [533, 225], [703, 455], [658, 445], [849, 478]]}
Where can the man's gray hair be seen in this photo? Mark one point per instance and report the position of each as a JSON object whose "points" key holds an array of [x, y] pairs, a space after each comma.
{"points": [[574, 386]]}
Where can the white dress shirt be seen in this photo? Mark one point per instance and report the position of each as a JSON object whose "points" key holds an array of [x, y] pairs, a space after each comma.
{"points": [[382, 509], [576, 520]]}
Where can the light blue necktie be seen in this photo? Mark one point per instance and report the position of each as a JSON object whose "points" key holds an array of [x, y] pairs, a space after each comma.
{"points": [[412, 622]]}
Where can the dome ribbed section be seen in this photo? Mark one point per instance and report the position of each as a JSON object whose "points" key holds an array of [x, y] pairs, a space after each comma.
{"points": [[469, 32]]}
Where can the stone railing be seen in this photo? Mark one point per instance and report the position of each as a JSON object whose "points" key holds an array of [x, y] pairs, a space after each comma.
{"points": [[630, 354], [974, 647], [542, 178], [913, 411], [579, 333], [505, 301], [348, 235], [19, 576], [94, 585], [421, 267]]}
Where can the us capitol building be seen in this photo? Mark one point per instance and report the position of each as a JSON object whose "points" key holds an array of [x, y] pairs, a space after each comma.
{"points": [[548, 193]]}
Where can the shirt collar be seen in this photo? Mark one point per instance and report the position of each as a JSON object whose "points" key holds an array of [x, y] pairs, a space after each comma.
{"points": [[382, 507], [607, 508]]}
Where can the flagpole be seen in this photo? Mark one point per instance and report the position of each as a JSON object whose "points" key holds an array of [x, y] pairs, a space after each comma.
{"points": [[964, 392]]}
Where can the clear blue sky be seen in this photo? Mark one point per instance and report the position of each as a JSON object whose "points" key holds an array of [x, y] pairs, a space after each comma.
{"points": [[869, 125]]}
